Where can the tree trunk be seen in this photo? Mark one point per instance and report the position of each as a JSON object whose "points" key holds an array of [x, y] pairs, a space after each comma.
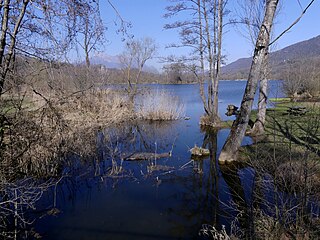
{"points": [[87, 59], [4, 28], [5, 63], [230, 149], [201, 52], [86, 42], [217, 119], [214, 59], [258, 127], [211, 55]]}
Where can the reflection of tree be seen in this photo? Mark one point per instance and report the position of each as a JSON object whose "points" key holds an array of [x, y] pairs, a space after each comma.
{"points": [[202, 194], [141, 137], [210, 141], [231, 177], [197, 199]]}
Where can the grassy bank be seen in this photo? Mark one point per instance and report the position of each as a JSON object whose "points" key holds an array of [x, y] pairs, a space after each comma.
{"points": [[286, 191]]}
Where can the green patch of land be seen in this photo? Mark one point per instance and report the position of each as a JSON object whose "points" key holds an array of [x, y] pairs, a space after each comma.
{"points": [[294, 123], [280, 99], [290, 139]]}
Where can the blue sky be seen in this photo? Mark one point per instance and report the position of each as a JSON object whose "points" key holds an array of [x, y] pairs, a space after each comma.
{"points": [[147, 20]]}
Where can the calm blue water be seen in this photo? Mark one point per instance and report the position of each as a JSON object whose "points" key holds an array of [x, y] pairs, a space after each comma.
{"points": [[230, 92], [169, 204]]}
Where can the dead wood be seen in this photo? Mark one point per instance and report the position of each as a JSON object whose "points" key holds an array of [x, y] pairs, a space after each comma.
{"points": [[146, 156]]}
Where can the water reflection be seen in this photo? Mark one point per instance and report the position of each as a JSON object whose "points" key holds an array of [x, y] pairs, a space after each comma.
{"points": [[234, 211], [238, 204], [174, 202], [173, 196]]}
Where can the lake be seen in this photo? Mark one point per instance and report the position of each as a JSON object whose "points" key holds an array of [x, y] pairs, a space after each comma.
{"points": [[169, 198]]}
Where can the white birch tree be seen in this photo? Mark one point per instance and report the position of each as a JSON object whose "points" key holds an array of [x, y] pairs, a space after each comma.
{"points": [[230, 149]]}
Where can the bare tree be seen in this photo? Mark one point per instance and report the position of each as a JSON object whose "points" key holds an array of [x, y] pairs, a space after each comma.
{"points": [[230, 149], [8, 37], [258, 127], [229, 152], [203, 34], [33, 35], [302, 79], [173, 72], [37, 29], [133, 59], [91, 29]]}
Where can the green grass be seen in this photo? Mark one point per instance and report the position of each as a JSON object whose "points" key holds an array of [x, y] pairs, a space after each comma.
{"points": [[10, 106], [280, 100], [290, 133], [287, 134]]}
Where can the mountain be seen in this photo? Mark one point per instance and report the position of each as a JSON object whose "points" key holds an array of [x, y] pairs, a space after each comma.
{"points": [[304, 52], [106, 60], [114, 62]]}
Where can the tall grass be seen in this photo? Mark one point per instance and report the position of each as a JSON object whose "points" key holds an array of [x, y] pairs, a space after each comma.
{"points": [[160, 106], [97, 107]]}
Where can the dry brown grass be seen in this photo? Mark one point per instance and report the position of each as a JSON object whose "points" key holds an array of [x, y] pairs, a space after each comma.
{"points": [[160, 106], [44, 128], [99, 107]]}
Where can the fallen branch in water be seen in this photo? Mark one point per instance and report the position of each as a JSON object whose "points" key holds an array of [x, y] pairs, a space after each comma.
{"points": [[146, 156]]}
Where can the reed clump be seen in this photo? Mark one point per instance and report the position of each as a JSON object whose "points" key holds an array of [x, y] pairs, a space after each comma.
{"points": [[160, 106], [98, 107]]}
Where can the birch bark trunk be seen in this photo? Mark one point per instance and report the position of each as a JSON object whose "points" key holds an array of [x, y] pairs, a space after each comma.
{"points": [[230, 149]]}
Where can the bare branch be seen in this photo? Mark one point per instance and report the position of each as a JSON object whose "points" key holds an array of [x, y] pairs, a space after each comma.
{"points": [[294, 23]]}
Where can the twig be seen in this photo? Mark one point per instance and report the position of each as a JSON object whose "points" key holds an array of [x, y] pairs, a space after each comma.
{"points": [[115, 10], [184, 165]]}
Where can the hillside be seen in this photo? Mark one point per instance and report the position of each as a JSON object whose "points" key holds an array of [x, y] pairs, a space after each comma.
{"points": [[115, 63], [305, 52]]}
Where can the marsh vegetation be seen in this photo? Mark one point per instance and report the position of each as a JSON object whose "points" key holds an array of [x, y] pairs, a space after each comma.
{"points": [[92, 132], [81, 156]]}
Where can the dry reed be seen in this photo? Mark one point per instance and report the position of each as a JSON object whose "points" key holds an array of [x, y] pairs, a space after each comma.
{"points": [[160, 106]]}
